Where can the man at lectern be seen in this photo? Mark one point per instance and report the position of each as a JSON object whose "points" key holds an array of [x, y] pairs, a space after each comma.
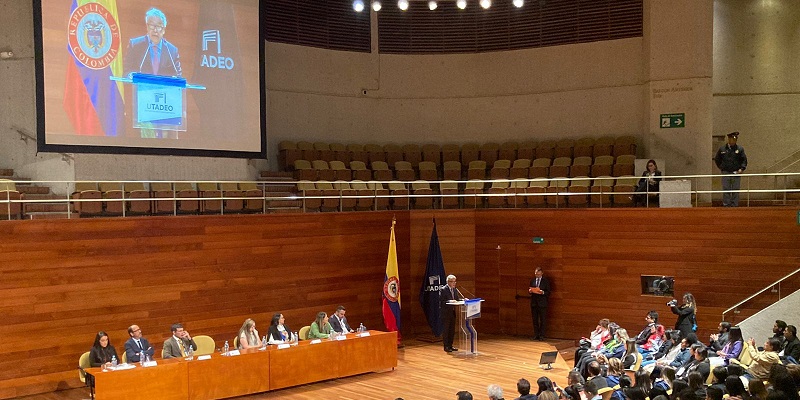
{"points": [[151, 53], [540, 291], [448, 313]]}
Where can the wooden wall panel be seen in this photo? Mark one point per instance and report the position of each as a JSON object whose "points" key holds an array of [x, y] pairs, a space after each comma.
{"points": [[65, 280]]}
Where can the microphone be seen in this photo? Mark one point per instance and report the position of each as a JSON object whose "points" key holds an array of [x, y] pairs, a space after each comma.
{"points": [[471, 296], [145, 55], [177, 73]]}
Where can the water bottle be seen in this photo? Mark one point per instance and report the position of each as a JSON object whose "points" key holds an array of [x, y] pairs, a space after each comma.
{"points": [[142, 358], [225, 349], [190, 353], [113, 361], [361, 328], [264, 342]]}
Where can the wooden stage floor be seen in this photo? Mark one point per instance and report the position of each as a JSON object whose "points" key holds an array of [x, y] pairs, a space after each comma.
{"points": [[424, 371]]}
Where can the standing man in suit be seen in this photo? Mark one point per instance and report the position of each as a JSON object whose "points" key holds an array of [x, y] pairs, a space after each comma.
{"points": [[136, 345], [151, 53], [448, 313], [180, 341], [540, 291], [339, 322]]}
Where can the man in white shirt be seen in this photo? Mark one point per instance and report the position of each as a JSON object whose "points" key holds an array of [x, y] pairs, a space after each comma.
{"points": [[339, 322]]}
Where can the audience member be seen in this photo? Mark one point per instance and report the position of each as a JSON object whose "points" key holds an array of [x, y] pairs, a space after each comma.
{"points": [[615, 371], [136, 345], [248, 335], [599, 335], [735, 388], [648, 184], [733, 347], [524, 390], [641, 380], [102, 352], [778, 329], [463, 395], [714, 393], [320, 328], [654, 341], [757, 389], [631, 355], [548, 395], [495, 392], [544, 384], [697, 384], [339, 322], [614, 348], [763, 360], [791, 346], [595, 375], [634, 393], [699, 363], [575, 388], [683, 355], [662, 384], [651, 319], [177, 345], [781, 381], [719, 374], [666, 353], [686, 314], [718, 340], [279, 332]]}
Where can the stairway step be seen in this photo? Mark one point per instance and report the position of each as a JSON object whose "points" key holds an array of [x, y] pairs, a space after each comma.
{"points": [[44, 196], [33, 190]]}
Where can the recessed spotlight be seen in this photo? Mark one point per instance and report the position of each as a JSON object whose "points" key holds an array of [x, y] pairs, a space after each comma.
{"points": [[486, 4], [358, 5], [519, 3], [462, 4], [402, 4], [376, 6], [432, 5]]}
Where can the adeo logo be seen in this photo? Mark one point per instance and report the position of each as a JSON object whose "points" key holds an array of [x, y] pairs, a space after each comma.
{"points": [[215, 61]]}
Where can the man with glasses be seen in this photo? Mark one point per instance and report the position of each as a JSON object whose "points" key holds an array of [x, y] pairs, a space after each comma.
{"points": [[136, 345], [179, 343], [151, 53]]}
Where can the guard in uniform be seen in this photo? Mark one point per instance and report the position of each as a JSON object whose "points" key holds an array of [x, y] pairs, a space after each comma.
{"points": [[731, 161]]}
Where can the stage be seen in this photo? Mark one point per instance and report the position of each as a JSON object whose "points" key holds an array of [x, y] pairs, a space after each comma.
{"points": [[424, 371]]}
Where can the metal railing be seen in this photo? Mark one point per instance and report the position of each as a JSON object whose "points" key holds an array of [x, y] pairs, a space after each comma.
{"points": [[775, 287], [516, 193]]}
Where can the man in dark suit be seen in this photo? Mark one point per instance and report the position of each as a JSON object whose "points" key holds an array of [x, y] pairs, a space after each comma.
{"points": [[151, 53], [448, 313], [177, 345], [136, 345], [339, 322], [540, 291]]}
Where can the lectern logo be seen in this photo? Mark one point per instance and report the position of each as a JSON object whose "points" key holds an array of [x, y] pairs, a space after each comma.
{"points": [[93, 36], [160, 103], [390, 289]]}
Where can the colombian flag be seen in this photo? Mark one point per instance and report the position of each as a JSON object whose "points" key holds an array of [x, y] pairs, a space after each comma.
{"points": [[391, 290], [93, 103]]}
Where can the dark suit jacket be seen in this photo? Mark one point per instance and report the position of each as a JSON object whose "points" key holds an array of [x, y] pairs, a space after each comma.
{"points": [[447, 312], [540, 299], [132, 350], [172, 350], [169, 64], [275, 334], [99, 355], [337, 326]]}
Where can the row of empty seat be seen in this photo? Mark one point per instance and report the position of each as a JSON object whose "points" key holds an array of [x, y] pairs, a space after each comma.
{"points": [[289, 151], [421, 194], [98, 198], [562, 167]]}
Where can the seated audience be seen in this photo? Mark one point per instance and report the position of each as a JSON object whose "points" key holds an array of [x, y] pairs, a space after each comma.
{"points": [[641, 380], [463, 395], [575, 388], [781, 381], [339, 322], [248, 335], [544, 384], [763, 360], [320, 328], [719, 374], [654, 341], [595, 375], [648, 184], [102, 352], [699, 362], [635, 393], [717, 340], [524, 390], [279, 332], [136, 345], [631, 355], [614, 348], [599, 335], [735, 388], [615, 371], [778, 332], [757, 389], [732, 348], [548, 395], [177, 345], [667, 351], [697, 384], [791, 346], [714, 393], [662, 384], [651, 319], [495, 392]]}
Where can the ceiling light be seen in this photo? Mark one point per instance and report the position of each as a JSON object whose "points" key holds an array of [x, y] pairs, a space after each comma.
{"points": [[518, 3], [376, 6], [432, 5], [486, 3], [462, 4], [402, 4], [358, 5]]}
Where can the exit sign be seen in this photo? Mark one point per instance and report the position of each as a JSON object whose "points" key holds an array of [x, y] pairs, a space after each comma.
{"points": [[677, 120]]}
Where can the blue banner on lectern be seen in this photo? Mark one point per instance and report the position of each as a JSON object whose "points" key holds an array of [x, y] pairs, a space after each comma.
{"points": [[473, 308], [159, 102]]}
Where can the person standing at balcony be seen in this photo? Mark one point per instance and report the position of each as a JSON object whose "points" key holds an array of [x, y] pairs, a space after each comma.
{"points": [[731, 161]]}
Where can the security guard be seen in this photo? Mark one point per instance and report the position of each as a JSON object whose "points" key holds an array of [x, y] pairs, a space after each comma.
{"points": [[731, 161]]}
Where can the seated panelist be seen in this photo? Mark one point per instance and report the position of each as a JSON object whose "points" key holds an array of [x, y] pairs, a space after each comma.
{"points": [[136, 345], [279, 332], [320, 329], [179, 343], [248, 335], [339, 322], [102, 352]]}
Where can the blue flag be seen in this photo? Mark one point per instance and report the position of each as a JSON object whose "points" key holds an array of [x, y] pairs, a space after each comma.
{"points": [[431, 283]]}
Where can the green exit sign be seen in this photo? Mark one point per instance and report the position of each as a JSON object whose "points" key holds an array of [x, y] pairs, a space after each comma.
{"points": [[676, 120]]}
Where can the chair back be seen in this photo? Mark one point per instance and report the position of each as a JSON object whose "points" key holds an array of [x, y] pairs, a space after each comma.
{"points": [[205, 345], [83, 363], [304, 332]]}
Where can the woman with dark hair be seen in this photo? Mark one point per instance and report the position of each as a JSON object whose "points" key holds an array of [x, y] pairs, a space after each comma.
{"points": [[696, 384], [279, 332], [735, 388], [641, 379], [635, 393], [781, 381], [102, 352], [320, 328], [631, 354], [686, 314], [734, 346], [757, 389], [648, 184], [662, 384], [545, 384]]}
